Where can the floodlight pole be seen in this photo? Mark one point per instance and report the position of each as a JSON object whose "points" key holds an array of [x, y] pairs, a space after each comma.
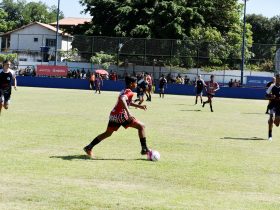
{"points": [[243, 43], [118, 54], [56, 35]]}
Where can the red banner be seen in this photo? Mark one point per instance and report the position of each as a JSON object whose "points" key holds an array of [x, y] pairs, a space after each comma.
{"points": [[45, 70]]}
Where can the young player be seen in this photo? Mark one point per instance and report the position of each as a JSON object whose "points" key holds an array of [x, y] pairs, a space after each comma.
{"points": [[7, 77], [162, 84], [121, 116], [267, 86], [142, 85], [98, 83], [199, 85], [149, 87], [273, 94], [91, 81], [211, 88]]}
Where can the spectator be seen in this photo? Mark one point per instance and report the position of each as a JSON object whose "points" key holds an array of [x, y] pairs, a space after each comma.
{"points": [[168, 78], [83, 73], [69, 73], [74, 74], [179, 79], [187, 80], [88, 74], [234, 83], [78, 75], [113, 76], [230, 83], [238, 83]]}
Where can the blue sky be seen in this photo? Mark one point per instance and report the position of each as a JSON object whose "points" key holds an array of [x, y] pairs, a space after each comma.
{"points": [[267, 8], [70, 8]]}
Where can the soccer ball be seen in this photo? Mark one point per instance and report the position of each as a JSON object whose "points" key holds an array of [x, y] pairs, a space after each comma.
{"points": [[153, 155]]}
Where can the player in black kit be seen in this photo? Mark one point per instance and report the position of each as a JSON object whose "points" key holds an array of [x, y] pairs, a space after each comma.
{"points": [[199, 85], [267, 86], [142, 85], [162, 84], [7, 77], [273, 94]]}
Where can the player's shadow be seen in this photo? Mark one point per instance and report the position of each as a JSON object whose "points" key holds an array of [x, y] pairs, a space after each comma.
{"points": [[246, 139], [258, 113], [190, 110], [85, 157]]}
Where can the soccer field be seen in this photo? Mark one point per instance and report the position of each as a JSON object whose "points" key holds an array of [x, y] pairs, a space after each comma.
{"points": [[220, 160]]}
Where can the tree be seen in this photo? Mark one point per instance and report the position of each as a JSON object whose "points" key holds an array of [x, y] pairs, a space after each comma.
{"points": [[102, 59], [11, 57], [276, 28], [264, 36], [160, 19], [140, 18], [213, 28], [40, 12], [70, 55], [19, 13], [3, 23]]}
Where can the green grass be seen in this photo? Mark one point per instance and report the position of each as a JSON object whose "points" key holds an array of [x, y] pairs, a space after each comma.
{"points": [[218, 160]]}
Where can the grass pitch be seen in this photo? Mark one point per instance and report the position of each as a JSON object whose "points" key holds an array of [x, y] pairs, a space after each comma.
{"points": [[219, 160]]}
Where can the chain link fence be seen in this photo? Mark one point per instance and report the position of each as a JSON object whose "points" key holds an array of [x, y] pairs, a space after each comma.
{"points": [[153, 55]]}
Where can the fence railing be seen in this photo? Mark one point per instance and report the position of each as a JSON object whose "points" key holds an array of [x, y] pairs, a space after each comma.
{"points": [[169, 53]]}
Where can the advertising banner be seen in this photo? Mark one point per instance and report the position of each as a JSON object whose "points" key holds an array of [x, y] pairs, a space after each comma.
{"points": [[46, 70]]}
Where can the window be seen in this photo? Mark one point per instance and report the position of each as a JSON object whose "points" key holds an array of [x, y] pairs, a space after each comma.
{"points": [[35, 39], [22, 59], [50, 42]]}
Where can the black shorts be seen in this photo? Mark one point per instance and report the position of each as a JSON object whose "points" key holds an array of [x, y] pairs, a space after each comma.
{"points": [[5, 95], [210, 95], [140, 94], [275, 111], [114, 126], [199, 91]]}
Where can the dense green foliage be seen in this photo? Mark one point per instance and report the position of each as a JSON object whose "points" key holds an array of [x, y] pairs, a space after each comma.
{"points": [[10, 57], [161, 19], [102, 59], [14, 14], [266, 33], [213, 28]]}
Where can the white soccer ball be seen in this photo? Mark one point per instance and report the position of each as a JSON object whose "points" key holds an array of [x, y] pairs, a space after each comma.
{"points": [[153, 155]]}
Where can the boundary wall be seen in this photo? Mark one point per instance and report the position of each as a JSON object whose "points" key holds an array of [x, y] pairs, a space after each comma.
{"points": [[109, 85]]}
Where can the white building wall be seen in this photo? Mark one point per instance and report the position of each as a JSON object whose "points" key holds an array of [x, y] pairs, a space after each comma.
{"points": [[24, 39], [66, 43]]}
